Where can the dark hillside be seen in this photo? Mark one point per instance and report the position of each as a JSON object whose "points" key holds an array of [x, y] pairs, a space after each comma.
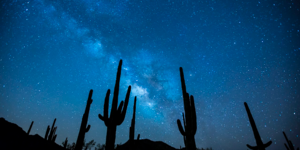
{"points": [[146, 144], [13, 137]]}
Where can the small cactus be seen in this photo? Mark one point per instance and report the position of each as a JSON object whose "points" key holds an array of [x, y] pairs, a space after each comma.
{"points": [[260, 144], [30, 128], [50, 134], [132, 128], [65, 143], [291, 146], [83, 128]]}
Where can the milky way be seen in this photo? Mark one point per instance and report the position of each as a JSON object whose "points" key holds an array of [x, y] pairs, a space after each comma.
{"points": [[54, 52]]}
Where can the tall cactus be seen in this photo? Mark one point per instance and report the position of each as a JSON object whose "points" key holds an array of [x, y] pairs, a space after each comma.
{"points": [[260, 144], [51, 133], [290, 144], [190, 119], [83, 128], [117, 115], [30, 128], [132, 127]]}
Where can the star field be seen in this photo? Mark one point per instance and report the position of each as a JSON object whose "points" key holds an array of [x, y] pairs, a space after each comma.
{"points": [[53, 52]]}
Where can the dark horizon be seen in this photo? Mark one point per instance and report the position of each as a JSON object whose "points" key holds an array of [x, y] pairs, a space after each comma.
{"points": [[54, 52]]}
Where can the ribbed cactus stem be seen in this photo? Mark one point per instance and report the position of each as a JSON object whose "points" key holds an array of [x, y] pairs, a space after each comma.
{"points": [[259, 142], [83, 127], [189, 118], [117, 114], [30, 128]]}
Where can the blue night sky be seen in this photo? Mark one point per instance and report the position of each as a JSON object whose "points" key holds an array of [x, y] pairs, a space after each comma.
{"points": [[52, 52]]}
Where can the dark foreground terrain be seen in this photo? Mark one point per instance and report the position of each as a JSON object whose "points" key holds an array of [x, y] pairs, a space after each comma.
{"points": [[13, 137]]}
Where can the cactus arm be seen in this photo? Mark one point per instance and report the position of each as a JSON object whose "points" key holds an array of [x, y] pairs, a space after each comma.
{"points": [[47, 132], [52, 130], [88, 128], [105, 111], [119, 111], [253, 125], [138, 137], [121, 117], [116, 92], [259, 142], [252, 147], [268, 144], [53, 133], [180, 128]]}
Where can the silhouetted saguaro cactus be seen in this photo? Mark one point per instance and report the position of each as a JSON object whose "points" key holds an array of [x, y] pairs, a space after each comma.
{"points": [[51, 133], [291, 146], [259, 143], [117, 115], [132, 127], [190, 119], [65, 143], [83, 128], [30, 128]]}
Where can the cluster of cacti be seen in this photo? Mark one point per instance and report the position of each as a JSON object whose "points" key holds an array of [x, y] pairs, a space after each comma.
{"points": [[30, 128], [117, 115], [52, 136], [290, 144], [190, 119], [259, 143], [83, 127]]}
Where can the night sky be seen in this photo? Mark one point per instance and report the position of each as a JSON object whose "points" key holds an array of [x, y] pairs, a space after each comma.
{"points": [[53, 52]]}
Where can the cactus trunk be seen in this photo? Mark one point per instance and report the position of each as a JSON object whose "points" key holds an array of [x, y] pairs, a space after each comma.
{"points": [[111, 137], [117, 114], [83, 127]]}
